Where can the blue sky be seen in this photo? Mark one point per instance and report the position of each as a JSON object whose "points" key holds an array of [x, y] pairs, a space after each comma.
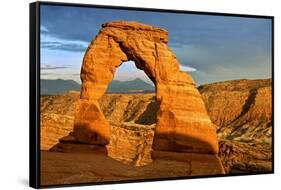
{"points": [[210, 48]]}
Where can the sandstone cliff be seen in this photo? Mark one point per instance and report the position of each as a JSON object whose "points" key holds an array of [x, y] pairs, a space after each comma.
{"points": [[56, 117], [241, 109]]}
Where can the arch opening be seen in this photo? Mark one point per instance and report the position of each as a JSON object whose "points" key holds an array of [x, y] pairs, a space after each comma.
{"points": [[129, 105], [130, 97], [128, 72]]}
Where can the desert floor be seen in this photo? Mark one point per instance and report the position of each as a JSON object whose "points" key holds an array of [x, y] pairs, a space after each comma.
{"points": [[70, 168]]}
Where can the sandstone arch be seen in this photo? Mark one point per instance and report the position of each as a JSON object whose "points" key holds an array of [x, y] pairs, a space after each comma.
{"points": [[182, 120]]}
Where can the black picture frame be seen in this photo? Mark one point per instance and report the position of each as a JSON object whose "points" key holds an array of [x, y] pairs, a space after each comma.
{"points": [[34, 90]]}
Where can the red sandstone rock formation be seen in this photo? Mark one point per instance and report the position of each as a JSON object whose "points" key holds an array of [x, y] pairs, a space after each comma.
{"points": [[56, 118], [240, 157], [247, 147], [182, 120], [241, 109]]}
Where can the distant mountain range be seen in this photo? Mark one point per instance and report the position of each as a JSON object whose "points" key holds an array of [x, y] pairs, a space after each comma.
{"points": [[136, 85], [58, 86]]}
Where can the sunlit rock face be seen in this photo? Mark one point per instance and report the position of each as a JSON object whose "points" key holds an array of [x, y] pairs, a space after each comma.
{"points": [[182, 122]]}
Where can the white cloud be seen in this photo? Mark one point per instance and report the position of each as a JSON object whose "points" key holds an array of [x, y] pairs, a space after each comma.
{"points": [[43, 29], [53, 67], [64, 76], [187, 68], [53, 43], [128, 71]]}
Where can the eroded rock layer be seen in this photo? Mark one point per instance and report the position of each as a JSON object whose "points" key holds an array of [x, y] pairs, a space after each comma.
{"points": [[240, 157], [243, 149], [131, 143], [56, 118], [182, 122], [241, 109]]}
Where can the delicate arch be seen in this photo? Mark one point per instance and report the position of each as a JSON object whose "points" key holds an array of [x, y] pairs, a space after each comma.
{"points": [[182, 120]]}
